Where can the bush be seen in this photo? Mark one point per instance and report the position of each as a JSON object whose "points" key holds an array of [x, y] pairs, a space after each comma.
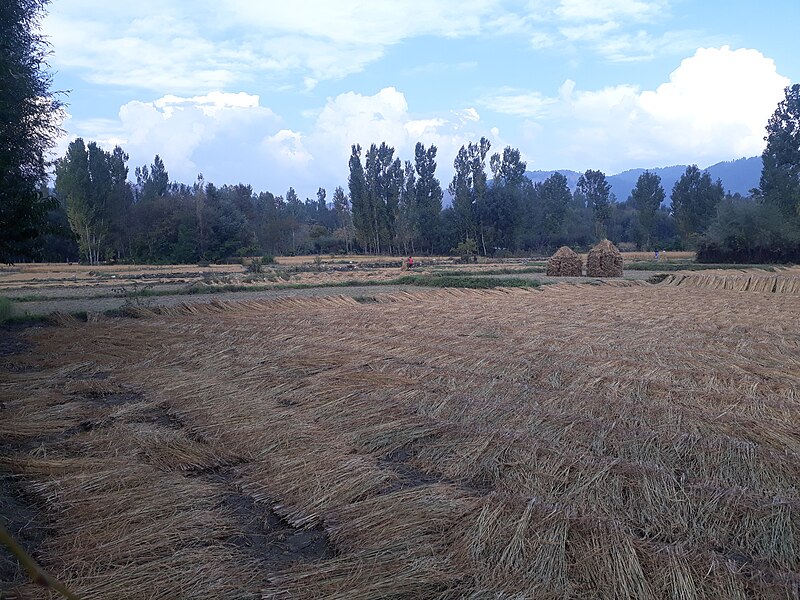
{"points": [[745, 231], [467, 251], [6, 309], [268, 259], [255, 266]]}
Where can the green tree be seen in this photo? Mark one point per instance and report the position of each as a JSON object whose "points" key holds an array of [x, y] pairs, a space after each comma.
{"points": [[92, 183], [780, 174], [357, 185], [153, 182], [29, 126], [427, 197], [344, 219], [554, 197], [647, 196], [383, 176], [407, 224], [694, 202], [503, 208], [468, 189], [593, 186]]}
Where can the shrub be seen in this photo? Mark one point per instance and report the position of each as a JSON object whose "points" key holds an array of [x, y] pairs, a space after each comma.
{"points": [[268, 259], [6, 309], [747, 232]]}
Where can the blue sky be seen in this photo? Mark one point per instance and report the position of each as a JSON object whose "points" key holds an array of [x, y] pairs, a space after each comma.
{"points": [[274, 93]]}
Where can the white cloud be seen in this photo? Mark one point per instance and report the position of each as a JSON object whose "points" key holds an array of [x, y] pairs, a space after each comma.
{"points": [[523, 104], [353, 118], [192, 47], [714, 107], [186, 131], [605, 10], [188, 46], [231, 138]]}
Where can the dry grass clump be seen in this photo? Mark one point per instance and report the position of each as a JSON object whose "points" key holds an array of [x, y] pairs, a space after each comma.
{"points": [[604, 260], [565, 263], [574, 442]]}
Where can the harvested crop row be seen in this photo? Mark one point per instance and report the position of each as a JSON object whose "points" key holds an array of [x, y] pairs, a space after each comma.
{"points": [[579, 441], [785, 281]]}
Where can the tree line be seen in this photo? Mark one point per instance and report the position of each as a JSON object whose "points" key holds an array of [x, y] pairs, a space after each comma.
{"points": [[389, 207], [95, 212]]}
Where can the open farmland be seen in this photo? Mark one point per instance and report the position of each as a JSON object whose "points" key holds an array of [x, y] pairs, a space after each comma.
{"points": [[615, 441]]}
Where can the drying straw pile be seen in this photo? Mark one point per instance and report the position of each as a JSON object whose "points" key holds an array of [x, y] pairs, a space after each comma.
{"points": [[784, 281], [575, 442], [604, 260], [564, 263]]}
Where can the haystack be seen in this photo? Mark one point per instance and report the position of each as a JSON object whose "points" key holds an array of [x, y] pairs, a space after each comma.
{"points": [[565, 263], [604, 260]]}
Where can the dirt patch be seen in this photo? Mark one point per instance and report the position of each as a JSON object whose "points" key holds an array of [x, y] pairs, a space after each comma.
{"points": [[272, 541], [408, 475], [263, 535]]}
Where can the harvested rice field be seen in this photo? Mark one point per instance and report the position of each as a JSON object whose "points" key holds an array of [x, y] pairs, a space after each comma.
{"points": [[574, 441]]}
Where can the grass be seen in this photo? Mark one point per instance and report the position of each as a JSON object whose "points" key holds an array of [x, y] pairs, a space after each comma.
{"points": [[477, 272], [6, 309], [465, 281], [651, 265], [577, 442]]}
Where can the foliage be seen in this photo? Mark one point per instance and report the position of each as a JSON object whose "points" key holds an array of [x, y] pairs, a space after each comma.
{"points": [[468, 189], [256, 266], [29, 126], [694, 202], [6, 309], [745, 231], [780, 175], [93, 185], [467, 250], [593, 186], [647, 196], [472, 282]]}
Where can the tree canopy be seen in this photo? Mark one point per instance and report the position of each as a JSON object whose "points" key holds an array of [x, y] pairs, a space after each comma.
{"points": [[29, 125], [780, 175]]}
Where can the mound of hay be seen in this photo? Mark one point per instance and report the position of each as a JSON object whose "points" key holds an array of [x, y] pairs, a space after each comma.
{"points": [[565, 263], [604, 260]]}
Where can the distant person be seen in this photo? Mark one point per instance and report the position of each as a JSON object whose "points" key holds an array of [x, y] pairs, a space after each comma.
{"points": [[410, 263], [656, 254], [664, 254]]}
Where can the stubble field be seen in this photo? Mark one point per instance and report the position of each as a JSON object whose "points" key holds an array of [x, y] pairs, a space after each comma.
{"points": [[573, 441]]}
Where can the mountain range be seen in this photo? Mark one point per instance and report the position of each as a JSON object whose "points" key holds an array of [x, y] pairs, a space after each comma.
{"points": [[740, 176]]}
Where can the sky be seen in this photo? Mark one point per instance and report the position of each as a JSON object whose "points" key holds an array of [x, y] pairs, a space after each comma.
{"points": [[273, 94]]}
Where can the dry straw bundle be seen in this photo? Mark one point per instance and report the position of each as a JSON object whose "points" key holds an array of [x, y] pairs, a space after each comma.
{"points": [[604, 260], [564, 263]]}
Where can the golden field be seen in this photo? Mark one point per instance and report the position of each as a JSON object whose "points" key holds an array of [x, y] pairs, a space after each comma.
{"points": [[625, 440]]}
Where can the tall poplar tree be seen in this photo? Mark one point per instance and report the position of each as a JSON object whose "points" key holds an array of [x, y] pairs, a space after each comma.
{"points": [[29, 126]]}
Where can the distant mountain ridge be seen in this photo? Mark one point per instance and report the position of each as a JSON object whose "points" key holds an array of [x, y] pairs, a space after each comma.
{"points": [[739, 175]]}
